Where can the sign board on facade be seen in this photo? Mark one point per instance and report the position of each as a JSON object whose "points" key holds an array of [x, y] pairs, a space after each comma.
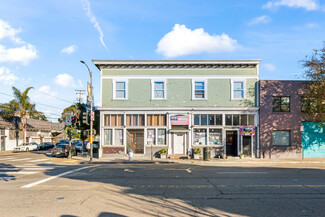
{"points": [[247, 131], [179, 120], [302, 128]]}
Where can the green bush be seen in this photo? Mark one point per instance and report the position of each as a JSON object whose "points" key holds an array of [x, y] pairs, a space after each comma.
{"points": [[162, 151], [196, 150]]}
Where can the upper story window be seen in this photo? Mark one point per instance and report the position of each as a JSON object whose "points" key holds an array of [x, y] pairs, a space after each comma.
{"points": [[120, 90], [199, 90], [281, 104], [237, 90], [158, 90]]}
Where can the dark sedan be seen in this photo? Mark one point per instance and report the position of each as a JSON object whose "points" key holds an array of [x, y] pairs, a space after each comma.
{"points": [[46, 145], [62, 150]]}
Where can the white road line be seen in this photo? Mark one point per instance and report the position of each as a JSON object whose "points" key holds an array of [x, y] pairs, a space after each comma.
{"points": [[54, 177], [242, 172], [7, 158], [26, 168], [39, 160], [21, 159], [35, 166], [6, 178], [18, 172]]}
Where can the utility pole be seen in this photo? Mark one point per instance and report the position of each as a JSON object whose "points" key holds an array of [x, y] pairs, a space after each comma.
{"points": [[80, 92], [91, 112]]}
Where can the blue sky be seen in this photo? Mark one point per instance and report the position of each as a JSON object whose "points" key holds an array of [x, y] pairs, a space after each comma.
{"points": [[42, 42]]}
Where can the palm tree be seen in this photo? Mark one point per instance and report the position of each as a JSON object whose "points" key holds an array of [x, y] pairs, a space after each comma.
{"points": [[22, 107]]}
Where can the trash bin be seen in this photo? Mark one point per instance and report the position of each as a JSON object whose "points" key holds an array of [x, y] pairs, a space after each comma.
{"points": [[206, 153]]}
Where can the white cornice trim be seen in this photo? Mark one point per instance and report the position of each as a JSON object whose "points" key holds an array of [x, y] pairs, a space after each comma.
{"points": [[162, 77], [180, 109]]}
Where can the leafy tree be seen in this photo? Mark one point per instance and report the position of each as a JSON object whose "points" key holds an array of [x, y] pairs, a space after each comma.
{"points": [[22, 107], [315, 72]]}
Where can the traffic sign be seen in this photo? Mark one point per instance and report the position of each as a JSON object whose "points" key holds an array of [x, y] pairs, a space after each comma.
{"points": [[68, 121], [93, 116]]}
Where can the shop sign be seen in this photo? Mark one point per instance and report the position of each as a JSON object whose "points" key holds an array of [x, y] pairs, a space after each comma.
{"points": [[247, 131], [179, 120]]}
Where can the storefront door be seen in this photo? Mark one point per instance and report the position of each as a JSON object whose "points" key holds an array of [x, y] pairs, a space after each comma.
{"points": [[231, 143], [3, 140], [179, 143], [136, 141]]}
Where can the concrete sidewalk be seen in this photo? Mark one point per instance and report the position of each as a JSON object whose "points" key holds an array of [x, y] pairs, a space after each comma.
{"points": [[215, 161]]}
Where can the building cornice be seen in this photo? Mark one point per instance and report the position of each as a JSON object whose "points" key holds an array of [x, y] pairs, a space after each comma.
{"points": [[175, 64]]}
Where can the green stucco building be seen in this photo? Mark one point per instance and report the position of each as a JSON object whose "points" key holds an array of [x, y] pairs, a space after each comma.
{"points": [[148, 105]]}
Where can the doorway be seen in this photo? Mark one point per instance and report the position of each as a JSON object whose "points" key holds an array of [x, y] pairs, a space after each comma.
{"points": [[179, 141], [231, 143], [135, 141], [247, 145], [3, 140]]}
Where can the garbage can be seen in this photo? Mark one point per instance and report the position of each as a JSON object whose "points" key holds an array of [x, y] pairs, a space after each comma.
{"points": [[206, 153]]}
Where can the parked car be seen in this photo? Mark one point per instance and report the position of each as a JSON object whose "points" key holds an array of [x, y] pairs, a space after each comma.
{"points": [[65, 141], [78, 147], [62, 150], [95, 145], [29, 146], [46, 145]]}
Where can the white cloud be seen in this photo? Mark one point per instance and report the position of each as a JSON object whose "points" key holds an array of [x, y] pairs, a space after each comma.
{"points": [[47, 90], [7, 77], [66, 80], [183, 41], [24, 53], [86, 7], [261, 19], [309, 5], [311, 25], [69, 50], [269, 67]]}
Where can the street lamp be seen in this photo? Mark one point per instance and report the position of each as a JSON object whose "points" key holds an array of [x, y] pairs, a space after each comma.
{"points": [[91, 111]]}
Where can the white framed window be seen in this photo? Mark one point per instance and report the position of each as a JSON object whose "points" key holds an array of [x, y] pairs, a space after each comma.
{"points": [[281, 138], [158, 90], [199, 90], [120, 89], [108, 136], [238, 88]]}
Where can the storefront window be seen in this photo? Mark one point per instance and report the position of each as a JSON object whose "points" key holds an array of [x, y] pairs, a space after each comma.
{"points": [[200, 136], [114, 120], [151, 137], [215, 137], [108, 137], [251, 120], [196, 119], [243, 120], [118, 137], [229, 120], [204, 120], [161, 137], [211, 120], [134, 120], [218, 119], [156, 120], [235, 119]]}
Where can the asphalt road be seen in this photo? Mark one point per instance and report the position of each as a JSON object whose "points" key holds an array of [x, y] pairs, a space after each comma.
{"points": [[44, 186]]}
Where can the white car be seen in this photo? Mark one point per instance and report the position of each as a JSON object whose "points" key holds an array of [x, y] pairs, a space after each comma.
{"points": [[30, 146]]}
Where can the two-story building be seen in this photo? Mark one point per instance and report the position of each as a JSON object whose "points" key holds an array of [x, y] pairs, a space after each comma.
{"points": [[148, 105]]}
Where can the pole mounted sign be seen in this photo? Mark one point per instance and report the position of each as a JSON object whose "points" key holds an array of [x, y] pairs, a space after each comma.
{"points": [[68, 120]]}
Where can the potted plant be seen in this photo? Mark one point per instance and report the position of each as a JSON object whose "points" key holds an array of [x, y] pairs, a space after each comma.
{"points": [[197, 153], [163, 153], [241, 156]]}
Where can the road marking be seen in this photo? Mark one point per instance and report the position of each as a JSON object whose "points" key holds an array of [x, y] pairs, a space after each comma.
{"points": [[242, 172], [35, 166], [127, 170], [57, 176], [18, 172], [21, 159], [189, 170], [39, 160], [7, 158], [69, 161]]}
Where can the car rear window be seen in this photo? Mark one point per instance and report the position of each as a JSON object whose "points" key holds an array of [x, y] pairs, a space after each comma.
{"points": [[60, 146]]}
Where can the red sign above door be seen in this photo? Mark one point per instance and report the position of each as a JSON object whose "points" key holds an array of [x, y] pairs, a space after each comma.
{"points": [[179, 120], [247, 131]]}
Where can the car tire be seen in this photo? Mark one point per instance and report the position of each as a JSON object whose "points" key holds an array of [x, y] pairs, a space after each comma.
{"points": [[27, 149]]}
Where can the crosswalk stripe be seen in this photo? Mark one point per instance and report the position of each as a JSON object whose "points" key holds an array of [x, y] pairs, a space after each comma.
{"points": [[25, 168], [39, 160], [21, 159], [35, 166], [18, 172]]}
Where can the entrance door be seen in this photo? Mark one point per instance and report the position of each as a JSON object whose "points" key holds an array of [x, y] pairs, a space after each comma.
{"points": [[247, 145], [3, 140], [179, 143], [231, 143], [136, 141]]}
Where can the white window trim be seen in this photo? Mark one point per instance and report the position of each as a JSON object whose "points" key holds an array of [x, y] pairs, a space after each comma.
{"points": [[205, 89], [232, 89], [153, 89], [126, 89]]}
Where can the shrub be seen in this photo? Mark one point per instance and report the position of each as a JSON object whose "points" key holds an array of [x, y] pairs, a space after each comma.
{"points": [[196, 150], [162, 151]]}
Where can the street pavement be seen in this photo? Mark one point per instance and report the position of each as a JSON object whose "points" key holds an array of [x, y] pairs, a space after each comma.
{"points": [[38, 185]]}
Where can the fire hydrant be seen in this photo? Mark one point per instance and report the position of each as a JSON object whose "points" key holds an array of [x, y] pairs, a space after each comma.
{"points": [[130, 155]]}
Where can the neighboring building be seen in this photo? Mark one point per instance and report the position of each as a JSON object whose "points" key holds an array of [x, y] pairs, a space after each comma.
{"points": [[37, 131], [177, 105], [283, 110]]}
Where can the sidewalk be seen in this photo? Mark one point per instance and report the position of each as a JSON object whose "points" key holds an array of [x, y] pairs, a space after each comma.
{"points": [[215, 161]]}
